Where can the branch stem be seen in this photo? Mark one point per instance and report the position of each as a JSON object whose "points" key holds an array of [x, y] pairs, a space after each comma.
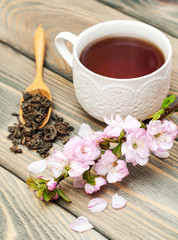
{"points": [[168, 111]]}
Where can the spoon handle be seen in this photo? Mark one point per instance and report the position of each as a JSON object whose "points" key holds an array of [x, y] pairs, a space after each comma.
{"points": [[39, 49]]}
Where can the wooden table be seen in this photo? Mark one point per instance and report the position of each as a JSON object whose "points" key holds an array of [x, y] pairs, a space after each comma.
{"points": [[151, 191]]}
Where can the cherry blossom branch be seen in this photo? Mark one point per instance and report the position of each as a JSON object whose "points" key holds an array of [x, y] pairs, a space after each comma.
{"points": [[132, 140], [169, 111]]}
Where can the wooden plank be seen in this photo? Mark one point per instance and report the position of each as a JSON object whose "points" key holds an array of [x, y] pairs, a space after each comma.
{"points": [[25, 217], [19, 19], [150, 191], [159, 13]]}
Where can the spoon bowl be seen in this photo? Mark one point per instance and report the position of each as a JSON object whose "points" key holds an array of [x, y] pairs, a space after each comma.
{"points": [[38, 85]]}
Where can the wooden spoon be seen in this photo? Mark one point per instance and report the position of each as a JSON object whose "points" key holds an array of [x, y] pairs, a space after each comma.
{"points": [[38, 85]]}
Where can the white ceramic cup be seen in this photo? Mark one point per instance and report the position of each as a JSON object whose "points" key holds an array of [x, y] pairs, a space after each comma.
{"points": [[102, 96]]}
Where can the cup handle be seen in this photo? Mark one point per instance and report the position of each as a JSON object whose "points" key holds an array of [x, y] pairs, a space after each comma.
{"points": [[62, 48]]}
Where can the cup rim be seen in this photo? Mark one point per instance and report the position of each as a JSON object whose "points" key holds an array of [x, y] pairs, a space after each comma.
{"points": [[123, 79]]}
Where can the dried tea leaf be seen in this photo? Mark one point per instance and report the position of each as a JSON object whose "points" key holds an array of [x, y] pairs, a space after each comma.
{"points": [[35, 107]]}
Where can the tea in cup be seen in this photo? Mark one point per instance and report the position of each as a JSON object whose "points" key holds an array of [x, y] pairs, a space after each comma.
{"points": [[120, 67]]}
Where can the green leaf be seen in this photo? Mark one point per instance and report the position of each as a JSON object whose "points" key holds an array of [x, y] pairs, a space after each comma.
{"points": [[66, 175], [91, 180], [121, 135], [32, 186], [110, 140], [86, 175], [157, 115], [40, 193], [142, 125], [46, 195], [167, 101], [61, 194], [42, 181], [117, 150], [31, 183]]}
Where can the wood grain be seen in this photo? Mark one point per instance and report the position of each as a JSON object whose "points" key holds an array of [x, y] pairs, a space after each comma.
{"points": [[159, 13], [19, 19], [25, 217], [151, 191]]}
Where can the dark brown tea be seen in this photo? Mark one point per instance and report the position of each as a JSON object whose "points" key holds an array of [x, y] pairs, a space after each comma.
{"points": [[122, 57]]}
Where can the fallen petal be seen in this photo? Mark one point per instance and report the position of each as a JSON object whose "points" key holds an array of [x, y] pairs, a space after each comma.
{"points": [[97, 204], [118, 201], [81, 224], [37, 167]]}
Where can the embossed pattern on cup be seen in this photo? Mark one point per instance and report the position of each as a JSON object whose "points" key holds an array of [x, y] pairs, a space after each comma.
{"points": [[99, 99]]}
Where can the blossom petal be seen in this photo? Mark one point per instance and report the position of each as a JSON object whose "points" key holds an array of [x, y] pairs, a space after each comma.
{"points": [[130, 123], [161, 154], [97, 204], [37, 167], [57, 172], [77, 168], [115, 132], [102, 169], [118, 201], [85, 130], [112, 175], [78, 182], [81, 224], [107, 121]]}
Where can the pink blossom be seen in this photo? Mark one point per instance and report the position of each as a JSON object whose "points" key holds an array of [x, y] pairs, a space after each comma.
{"points": [[84, 148], [86, 151], [58, 163], [136, 148], [41, 198], [77, 168], [114, 127], [130, 123], [51, 184], [161, 154], [160, 136], [44, 178], [55, 197], [115, 169], [117, 172], [97, 137], [104, 165], [170, 128], [78, 182], [99, 181], [117, 125], [70, 146]]}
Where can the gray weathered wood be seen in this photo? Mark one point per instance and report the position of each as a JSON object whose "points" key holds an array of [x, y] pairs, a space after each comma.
{"points": [[24, 217], [161, 14]]}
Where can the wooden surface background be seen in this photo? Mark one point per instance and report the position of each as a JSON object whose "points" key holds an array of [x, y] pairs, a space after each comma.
{"points": [[150, 191]]}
